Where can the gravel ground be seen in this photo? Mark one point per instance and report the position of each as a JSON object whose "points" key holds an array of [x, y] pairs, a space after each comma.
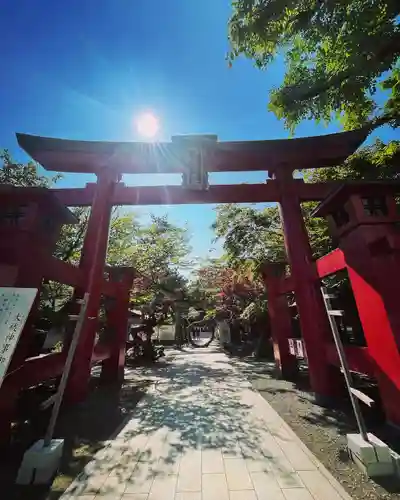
{"points": [[322, 430]]}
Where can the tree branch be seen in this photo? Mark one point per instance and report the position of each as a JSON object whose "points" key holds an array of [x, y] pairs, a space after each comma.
{"points": [[303, 91]]}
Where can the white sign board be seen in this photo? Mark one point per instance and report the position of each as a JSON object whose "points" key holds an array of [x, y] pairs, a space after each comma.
{"points": [[291, 347], [15, 305], [299, 349]]}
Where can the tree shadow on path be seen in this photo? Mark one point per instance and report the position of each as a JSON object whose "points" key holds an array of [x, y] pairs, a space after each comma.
{"points": [[196, 403]]}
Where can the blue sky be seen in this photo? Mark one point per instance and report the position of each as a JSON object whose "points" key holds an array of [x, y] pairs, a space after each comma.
{"points": [[84, 69]]}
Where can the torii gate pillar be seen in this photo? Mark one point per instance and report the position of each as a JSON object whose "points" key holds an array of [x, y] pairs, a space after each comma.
{"points": [[324, 378], [93, 264], [281, 323]]}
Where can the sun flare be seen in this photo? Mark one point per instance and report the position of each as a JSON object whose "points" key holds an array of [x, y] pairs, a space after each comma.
{"points": [[147, 125]]}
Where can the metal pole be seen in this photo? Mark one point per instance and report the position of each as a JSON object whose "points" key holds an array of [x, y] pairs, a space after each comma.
{"points": [[64, 378], [346, 371]]}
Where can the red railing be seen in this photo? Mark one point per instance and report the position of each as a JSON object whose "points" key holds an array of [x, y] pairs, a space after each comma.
{"points": [[330, 263], [358, 358]]}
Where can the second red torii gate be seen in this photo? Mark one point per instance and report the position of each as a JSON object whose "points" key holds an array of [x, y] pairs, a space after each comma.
{"points": [[279, 158]]}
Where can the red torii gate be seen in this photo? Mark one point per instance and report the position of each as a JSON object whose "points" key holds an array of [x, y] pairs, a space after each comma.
{"points": [[277, 157]]}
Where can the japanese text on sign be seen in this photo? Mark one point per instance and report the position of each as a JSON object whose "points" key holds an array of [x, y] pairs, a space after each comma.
{"points": [[296, 348], [15, 304]]}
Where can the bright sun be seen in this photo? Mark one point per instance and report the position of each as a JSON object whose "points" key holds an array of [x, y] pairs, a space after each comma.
{"points": [[147, 125]]}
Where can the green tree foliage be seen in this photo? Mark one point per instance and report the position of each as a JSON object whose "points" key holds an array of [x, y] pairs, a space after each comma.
{"points": [[123, 230], [69, 247], [337, 55], [22, 174], [250, 236], [160, 249], [206, 282], [379, 161], [159, 254]]}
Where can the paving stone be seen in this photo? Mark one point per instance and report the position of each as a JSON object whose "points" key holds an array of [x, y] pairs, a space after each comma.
{"points": [[85, 485], [168, 465], [232, 448], [214, 487], [137, 444], [125, 466], [281, 463], [202, 433], [189, 477], [188, 495], [288, 479], [242, 495], [155, 447], [141, 479], [163, 488], [136, 496], [296, 455], [113, 485], [108, 496], [212, 462], [319, 486], [297, 494], [237, 475], [266, 486], [258, 465]]}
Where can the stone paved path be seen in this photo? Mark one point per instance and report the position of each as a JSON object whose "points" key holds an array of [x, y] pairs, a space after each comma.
{"points": [[202, 433]]}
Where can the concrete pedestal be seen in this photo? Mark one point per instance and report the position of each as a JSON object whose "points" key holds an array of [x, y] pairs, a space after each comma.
{"points": [[40, 464], [373, 456]]}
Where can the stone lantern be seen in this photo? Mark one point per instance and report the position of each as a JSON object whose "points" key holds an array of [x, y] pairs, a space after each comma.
{"points": [[366, 212], [364, 218]]}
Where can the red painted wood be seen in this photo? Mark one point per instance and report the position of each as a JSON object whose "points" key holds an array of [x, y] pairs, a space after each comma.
{"points": [[331, 263], [168, 157], [63, 272], [101, 352], [286, 285], [110, 288], [358, 358], [314, 323], [24, 249], [178, 195], [113, 368], [280, 319], [381, 342], [93, 266], [369, 245], [376, 295], [41, 368], [35, 370]]}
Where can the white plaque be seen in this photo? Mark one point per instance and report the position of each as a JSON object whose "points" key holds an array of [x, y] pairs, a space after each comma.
{"points": [[300, 351], [291, 347], [15, 305]]}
